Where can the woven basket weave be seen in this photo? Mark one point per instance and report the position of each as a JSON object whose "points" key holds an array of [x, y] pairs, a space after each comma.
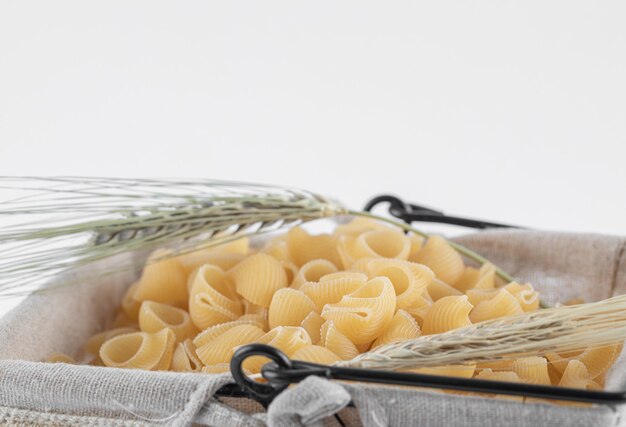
{"points": [[562, 266]]}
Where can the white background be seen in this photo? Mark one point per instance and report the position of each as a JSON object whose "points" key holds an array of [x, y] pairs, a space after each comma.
{"points": [[510, 111]]}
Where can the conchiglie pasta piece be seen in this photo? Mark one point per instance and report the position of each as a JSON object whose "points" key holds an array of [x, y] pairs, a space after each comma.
{"points": [[597, 360], [288, 339], [139, 350], [225, 261], [374, 244], [289, 307], [358, 226], [212, 298], [472, 278], [476, 296], [332, 287], [363, 314], [417, 243], [312, 324], [446, 314], [338, 343], [459, 371], [408, 279], [438, 289], [225, 255], [313, 271], [258, 277], [503, 304], [185, 359], [163, 280], [532, 370], [304, 247], [402, 327], [95, 342], [154, 316], [527, 297], [441, 258], [576, 375], [213, 332], [316, 354], [420, 308], [221, 348], [60, 358]]}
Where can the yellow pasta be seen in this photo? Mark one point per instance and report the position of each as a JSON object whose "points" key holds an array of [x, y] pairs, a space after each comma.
{"points": [[323, 299], [221, 348], [312, 324], [409, 280], [139, 350], [332, 339], [213, 332], [358, 226], [576, 375], [527, 297], [597, 360], [472, 278], [258, 277], [502, 304], [225, 255], [289, 307], [438, 289], [154, 316], [95, 342], [288, 339], [532, 370], [446, 314], [441, 258], [459, 371], [315, 354], [163, 280], [402, 327], [212, 298], [60, 358], [185, 359], [364, 313], [332, 287], [313, 271], [374, 244], [304, 247]]}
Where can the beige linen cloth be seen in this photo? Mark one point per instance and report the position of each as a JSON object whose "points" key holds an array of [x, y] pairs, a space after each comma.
{"points": [[562, 266]]}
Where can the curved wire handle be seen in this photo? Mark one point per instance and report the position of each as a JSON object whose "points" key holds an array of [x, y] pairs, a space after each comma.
{"points": [[282, 371], [409, 213]]}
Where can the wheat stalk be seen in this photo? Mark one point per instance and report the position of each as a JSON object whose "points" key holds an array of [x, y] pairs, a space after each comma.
{"points": [[59, 223], [561, 329]]}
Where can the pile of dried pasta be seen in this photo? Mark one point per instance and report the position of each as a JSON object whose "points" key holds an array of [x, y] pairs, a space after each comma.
{"points": [[323, 298]]}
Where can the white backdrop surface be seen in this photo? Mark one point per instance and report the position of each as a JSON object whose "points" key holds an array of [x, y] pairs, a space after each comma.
{"points": [[510, 111]]}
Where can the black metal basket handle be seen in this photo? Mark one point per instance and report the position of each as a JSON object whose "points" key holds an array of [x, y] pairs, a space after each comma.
{"points": [[409, 213]]}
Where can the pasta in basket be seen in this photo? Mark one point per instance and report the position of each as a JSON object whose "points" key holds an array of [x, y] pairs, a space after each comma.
{"points": [[323, 299]]}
